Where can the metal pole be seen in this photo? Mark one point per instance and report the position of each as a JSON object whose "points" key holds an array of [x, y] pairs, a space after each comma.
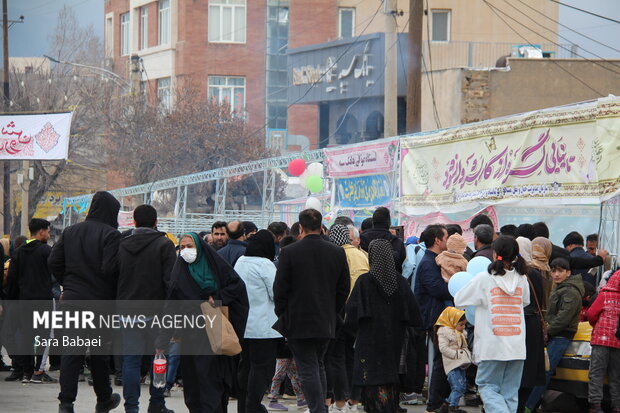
{"points": [[6, 202], [414, 73], [25, 195], [391, 75]]}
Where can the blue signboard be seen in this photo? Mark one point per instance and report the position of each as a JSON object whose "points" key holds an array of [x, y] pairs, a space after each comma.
{"points": [[363, 191]]}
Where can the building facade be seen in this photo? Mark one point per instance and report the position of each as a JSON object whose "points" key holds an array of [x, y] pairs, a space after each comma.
{"points": [[237, 51]]}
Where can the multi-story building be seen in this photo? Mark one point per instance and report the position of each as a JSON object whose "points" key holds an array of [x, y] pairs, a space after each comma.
{"points": [[237, 51]]}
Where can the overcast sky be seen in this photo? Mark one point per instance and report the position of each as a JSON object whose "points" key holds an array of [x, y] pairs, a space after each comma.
{"points": [[31, 37]]}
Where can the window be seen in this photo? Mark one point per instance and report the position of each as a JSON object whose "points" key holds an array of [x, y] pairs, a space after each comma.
{"points": [[228, 90], [144, 28], [109, 37], [163, 93], [125, 39], [227, 21], [440, 25], [346, 23], [164, 21]]}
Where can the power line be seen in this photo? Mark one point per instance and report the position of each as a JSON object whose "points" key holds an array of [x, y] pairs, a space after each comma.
{"points": [[556, 33], [586, 11], [495, 8], [551, 60], [316, 82], [362, 95], [568, 28]]}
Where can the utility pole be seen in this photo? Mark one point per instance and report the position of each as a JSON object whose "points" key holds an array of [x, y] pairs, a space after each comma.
{"points": [[6, 176], [390, 107], [135, 76], [414, 71], [25, 184]]}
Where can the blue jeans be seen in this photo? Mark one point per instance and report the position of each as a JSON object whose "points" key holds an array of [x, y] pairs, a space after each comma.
{"points": [[458, 386], [498, 383], [174, 359], [556, 347], [135, 344]]}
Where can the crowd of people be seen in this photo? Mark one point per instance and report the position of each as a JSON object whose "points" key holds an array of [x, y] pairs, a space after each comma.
{"points": [[340, 319]]}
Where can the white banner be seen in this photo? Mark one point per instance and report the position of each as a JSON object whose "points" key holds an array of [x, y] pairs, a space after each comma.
{"points": [[40, 137]]}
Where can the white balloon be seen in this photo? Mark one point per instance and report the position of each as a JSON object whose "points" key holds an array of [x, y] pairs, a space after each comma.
{"points": [[315, 168], [313, 203], [303, 178]]}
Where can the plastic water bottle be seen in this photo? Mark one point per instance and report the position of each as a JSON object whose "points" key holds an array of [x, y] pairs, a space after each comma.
{"points": [[159, 370]]}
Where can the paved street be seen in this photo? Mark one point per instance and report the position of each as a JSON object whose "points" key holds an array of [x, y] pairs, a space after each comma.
{"points": [[41, 398]]}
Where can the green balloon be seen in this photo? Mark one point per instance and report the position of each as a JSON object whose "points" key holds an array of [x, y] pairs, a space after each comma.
{"points": [[314, 183]]}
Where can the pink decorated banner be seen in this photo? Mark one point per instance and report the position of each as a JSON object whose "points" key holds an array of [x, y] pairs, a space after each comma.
{"points": [[561, 155], [40, 137], [361, 160], [415, 225]]}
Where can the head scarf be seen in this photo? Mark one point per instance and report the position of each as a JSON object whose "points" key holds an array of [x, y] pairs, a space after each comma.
{"points": [[541, 253], [262, 244], [200, 270], [382, 267], [450, 317], [525, 249], [339, 235]]}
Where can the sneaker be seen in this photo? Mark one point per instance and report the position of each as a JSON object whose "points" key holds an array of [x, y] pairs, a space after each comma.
{"points": [[14, 376], [474, 401], [4, 367], [111, 404], [42, 378], [167, 393], [274, 406], [26, 378], [410, 399], [301, 404], [456, 409]]}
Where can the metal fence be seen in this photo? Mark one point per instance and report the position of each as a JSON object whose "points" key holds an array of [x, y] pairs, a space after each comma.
{"points": [[444, 55]]}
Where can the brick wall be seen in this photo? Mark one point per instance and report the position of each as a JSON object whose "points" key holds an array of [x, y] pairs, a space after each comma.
{"points": [[476, 96], [319, 26]]}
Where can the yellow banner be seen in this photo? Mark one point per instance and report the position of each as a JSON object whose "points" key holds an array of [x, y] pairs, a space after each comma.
{"points": [[562, 155]]}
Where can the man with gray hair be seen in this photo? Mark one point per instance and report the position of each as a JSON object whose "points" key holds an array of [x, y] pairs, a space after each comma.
{"points": [[354, 234], [483, 238]]}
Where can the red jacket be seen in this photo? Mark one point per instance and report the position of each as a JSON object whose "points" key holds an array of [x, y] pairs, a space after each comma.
{"points": [[604, 313]]}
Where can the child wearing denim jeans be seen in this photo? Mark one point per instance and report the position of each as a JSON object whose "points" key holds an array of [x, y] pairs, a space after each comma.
{"points": [[455, 354]]}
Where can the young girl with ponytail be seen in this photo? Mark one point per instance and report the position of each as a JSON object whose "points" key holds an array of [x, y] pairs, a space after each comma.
{"points": [[499, 296]]}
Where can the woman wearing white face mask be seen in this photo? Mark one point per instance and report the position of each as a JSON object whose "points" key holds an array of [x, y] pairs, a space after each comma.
{"points": [[200, 274]]}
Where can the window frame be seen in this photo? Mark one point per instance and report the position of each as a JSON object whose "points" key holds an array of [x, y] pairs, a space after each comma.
{"points": [[161, 31], [144, 27], [166, 104], [353, 11], [125, 34], [448, 12], [233, 106], [226, 4]]}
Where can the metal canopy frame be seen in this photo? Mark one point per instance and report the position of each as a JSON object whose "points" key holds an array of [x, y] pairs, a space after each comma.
{"points": [[220, 176]]}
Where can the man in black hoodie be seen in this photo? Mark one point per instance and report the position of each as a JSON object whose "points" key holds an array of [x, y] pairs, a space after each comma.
{"points": [[146, 258], [85, 263], [381, 222], [30, 279]]}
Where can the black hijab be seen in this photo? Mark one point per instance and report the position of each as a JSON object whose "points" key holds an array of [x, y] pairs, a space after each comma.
{"points": [[262, 244], [381, 262]]}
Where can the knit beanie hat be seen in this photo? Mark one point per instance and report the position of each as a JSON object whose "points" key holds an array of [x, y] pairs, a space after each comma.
{"points": [[381, 218], [456, 243]]}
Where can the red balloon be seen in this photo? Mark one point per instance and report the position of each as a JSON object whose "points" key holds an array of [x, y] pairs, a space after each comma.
{"points": [[297, 167]]}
